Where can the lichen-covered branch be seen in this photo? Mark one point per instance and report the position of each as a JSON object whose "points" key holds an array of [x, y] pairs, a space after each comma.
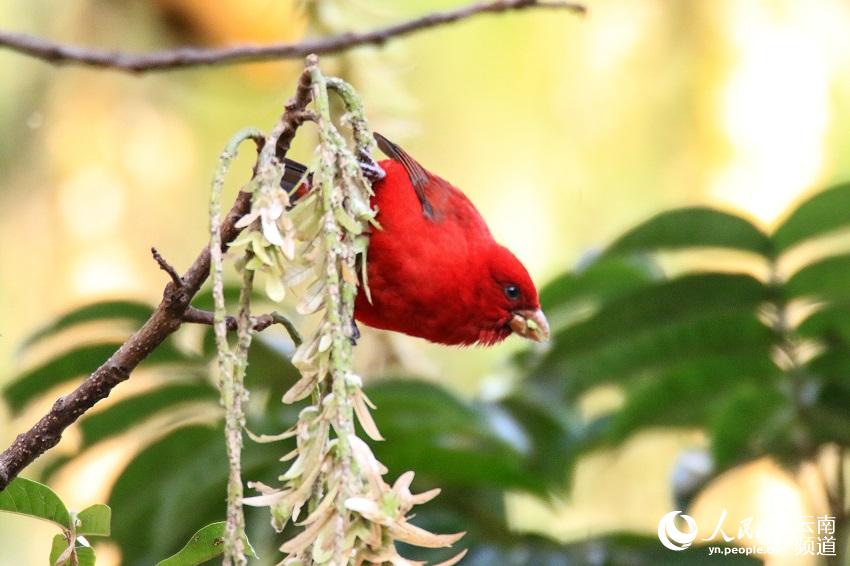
{"points": [[231, 362]]}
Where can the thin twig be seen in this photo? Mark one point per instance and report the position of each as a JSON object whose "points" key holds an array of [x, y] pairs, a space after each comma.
{"points": [[165, 320], [194, 315], [181, 58], [294, 335], [167, 267]]}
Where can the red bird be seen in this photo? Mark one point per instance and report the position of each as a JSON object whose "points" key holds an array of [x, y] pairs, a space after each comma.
{"points": [[434, 269]]}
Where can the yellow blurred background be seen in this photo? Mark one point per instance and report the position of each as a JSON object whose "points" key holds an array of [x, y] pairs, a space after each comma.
{"points": [[563, 130]]}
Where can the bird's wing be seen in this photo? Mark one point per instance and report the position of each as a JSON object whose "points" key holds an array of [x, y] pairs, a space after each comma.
{"points": [[417, 174], [293, 173]]}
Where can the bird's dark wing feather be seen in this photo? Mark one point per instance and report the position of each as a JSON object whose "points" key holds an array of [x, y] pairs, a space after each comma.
{"points": [[417, 174], [292, 174]]}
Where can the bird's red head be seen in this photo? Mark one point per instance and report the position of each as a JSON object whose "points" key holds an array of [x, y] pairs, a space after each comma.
{"points": [[509, 300]]}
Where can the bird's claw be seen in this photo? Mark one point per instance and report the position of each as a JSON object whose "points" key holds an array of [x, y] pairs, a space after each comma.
{"points": [[370, 168], [355, 333]]}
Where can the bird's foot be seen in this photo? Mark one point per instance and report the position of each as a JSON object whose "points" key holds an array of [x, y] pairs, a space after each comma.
{"points": [[354, 336], [370, 168]]}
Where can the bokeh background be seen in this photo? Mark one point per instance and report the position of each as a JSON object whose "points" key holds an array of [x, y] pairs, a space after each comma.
{"points": [[563, 130]]}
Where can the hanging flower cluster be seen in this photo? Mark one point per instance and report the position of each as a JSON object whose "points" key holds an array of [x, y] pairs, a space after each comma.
{"points": [[334, 488]]}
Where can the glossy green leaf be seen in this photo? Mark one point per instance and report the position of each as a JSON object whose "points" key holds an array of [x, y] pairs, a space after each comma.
{"points": [[204, 545], [123, 415], [693, 228], [661, 303], [687, 395], [132, 312], [584, 366], [824, 280], [94, 520], [603, 279], [74, 363], [825, 212], [27, 497], [85, 554]]}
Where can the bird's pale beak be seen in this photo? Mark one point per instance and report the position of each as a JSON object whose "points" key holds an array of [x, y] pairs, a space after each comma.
{"points": [[531, 324]]}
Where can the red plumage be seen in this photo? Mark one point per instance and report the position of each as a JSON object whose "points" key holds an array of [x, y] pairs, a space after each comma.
{"points": [[434, 269]]}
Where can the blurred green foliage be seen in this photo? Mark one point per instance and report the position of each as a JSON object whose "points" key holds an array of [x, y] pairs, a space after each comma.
{"points": [[757, 362]]}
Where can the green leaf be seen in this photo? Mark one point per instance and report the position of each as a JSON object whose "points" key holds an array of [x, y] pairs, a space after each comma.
{"points": [[656, 305], [479, 512], [755, 421], [94, 520], [456, 445], [825, 279], [831, 323], [166, 469], [34, 499], [183, 476], [57, 548], [823, 213], [74, 363], [604, 279], [658, 325], [85, 554], [831, 366], [130, 311], [829, 420], [690, 228], [554, 437], [204, 545], [736, 333], [123, 415], [687, 395], [269, 367]]}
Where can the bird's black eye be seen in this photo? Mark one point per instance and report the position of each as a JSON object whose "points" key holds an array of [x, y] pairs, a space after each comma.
{"points": [[512, 292]]}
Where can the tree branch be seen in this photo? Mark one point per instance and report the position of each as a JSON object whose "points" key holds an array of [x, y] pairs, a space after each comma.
{"points": [[261, 322], [182, 58], [165, 320]]}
